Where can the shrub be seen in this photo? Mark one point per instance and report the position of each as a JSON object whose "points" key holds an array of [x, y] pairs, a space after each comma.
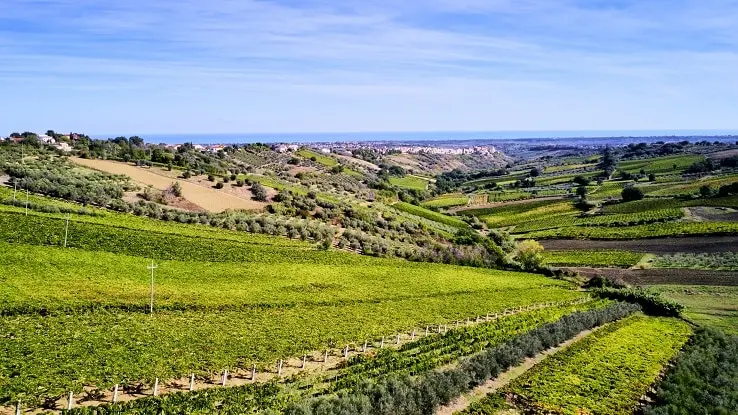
{"points": [[632, 193], [652, 302]]}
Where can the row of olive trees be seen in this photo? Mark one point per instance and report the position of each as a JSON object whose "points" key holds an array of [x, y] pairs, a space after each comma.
{"points": [[404, 395]]}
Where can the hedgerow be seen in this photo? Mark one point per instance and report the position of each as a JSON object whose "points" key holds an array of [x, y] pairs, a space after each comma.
{"points": [[652, 302], [402, 394], [703, 379]]}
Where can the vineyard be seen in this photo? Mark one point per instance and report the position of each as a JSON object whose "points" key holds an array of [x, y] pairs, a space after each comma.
{"points": [[430, 215], [445, 201], [620, 259], [225, 299], [606, 373], [660, 164], [727, 261], [638, 231]]}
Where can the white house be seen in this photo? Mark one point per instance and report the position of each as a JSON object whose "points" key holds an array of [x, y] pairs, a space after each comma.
{"points": [[45, 139]]}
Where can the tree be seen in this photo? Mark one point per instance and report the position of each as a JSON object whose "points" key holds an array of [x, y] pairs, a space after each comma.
{"points": [[607, 163], [177, 189], [528, 254], [535, 172], [632, 193], [259, 192], [706, 191], [582, 192], [651, 177]]}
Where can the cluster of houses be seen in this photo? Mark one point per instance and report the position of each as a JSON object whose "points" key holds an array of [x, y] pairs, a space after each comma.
{"points": [[48, 140]]}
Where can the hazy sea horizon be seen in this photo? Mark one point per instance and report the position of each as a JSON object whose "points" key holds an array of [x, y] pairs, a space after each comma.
{"points": [[240, 138]]}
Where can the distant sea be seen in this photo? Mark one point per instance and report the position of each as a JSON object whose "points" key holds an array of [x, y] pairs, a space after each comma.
{"points": [[236, 138]]}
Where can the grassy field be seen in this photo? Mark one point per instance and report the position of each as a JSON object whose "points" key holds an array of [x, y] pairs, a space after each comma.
{"points": [[660, 164], [409, 182], [319, 158], [605, 373], [708, 306], [613, 258], [431, 215]]}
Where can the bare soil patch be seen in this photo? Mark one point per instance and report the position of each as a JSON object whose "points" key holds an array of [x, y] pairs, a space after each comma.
{"points": [[208, 198], [713, 214], [360, 162], [663, 276], [723, 154], [696, 244]]}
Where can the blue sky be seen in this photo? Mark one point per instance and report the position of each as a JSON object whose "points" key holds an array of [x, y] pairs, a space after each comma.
{"points": [[177, 66]]}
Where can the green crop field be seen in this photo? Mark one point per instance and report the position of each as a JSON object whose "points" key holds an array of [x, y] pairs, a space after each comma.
{"points": [[217, 316], [431, 215], [565, 167], [507, 196], [510, 215], [665, 203], [409, 182], [222, 300], [705, 305], [660, 164], [450, 200], [724, 261], [605, 373], [621, 259], [653, 230], [319, 158]]}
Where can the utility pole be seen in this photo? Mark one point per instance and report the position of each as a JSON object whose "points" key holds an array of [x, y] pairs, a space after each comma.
{"points": [[152, 267], [15, 187], [66, 230], [26, 201]]}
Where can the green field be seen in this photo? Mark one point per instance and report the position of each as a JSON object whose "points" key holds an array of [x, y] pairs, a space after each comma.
{"points": [[319, 158], [653, 230], [444, 201], [429, 214], [618, 259], [223, 300], [512, 215], [605, 373], [660, 164], [409, 182], [725, 261], [707, 306]]}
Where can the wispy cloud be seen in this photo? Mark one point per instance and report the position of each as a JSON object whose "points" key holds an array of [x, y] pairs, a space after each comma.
{"points": [[465, 64]]}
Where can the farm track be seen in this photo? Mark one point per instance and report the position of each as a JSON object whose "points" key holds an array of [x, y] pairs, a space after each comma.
{"points": [[663, 276], [499, 204], [694, 244], [507, 376], [315, 365]]}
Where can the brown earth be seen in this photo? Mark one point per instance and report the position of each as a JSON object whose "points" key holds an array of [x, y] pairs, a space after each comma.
{"points": [[202, 195], [695, 244], [663, 276], [723, 154]]}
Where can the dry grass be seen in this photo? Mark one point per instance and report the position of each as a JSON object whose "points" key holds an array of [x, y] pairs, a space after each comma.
{"points": [[201, 195]]}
